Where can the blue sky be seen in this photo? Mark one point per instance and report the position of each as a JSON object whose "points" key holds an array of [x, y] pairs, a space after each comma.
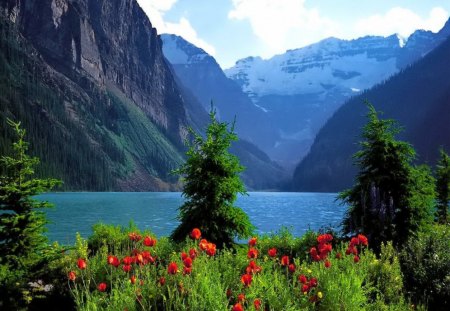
{"points": [[233, 29]]}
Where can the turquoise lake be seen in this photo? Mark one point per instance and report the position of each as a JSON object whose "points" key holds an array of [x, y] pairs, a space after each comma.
{"points": [[157, 211]]}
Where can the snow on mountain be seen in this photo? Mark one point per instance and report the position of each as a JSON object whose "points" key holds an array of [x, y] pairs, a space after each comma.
{"points": [[180, 52]]}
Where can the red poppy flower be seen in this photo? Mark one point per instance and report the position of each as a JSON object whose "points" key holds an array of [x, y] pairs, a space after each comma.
{"points": [[285, 260], [324, 238], [241, 297], [229, 292], [327, 264], [291, 268], [126, 268], [148, 241], [252, 253], [238, 307], [187, 262], [354, 241], [192, 253], [246, 279], [363, 239], [113, 260], [72, 275], [140, 259], [133, 279], [253, 268], [184, 256], [81, 263], [187, 270], [302, 279], [211, 249], [305, 288], [257, 303], [252, 242], [203, 244], [272, 252], [338, 256], [162, 281], [356, 259], [134, 236], [127, 260], [312, 282], [196, 234], [172, 268], [102, 287]]}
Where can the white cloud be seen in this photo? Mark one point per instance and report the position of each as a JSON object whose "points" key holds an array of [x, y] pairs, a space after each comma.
{"points": [[402, 21], [283, 24], [155, 10]]}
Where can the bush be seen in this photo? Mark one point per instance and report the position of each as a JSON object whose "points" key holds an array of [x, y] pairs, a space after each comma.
{"points": [[425, 263]]}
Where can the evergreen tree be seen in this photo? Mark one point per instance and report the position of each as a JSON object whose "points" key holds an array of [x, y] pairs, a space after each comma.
{"points": [[211, 187], [21, 219], [443, 187], [390, 199]]}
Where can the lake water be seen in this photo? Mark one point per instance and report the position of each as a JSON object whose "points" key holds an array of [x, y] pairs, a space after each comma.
{"points": [[157, 211]]}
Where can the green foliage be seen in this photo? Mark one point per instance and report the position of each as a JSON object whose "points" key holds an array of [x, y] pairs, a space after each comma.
{"points": [[391, 199], [211, 187], [425, 262], [443, 187]]}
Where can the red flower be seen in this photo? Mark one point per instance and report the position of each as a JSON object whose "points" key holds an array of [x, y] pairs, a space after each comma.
{"points": [[238, 307], [184, 256], [351, 250], [187, 270], [229, 292], [139, 259], [257, 303], [324, 238], [354, 241], [246, 279], [302, 279], [196, 234], [81, 263], [327, 264], [356, 259], [172, 268], [126, 268], [272, 252], [203, 244], [253, 268], [338, 256], [162, 281], [285, 260], [134, 236], [148, 241], [192, 253], [113, 260], [241, 297], [72, 275], [252, 242], [211, 249], [102, 287], [127, 260], [305, 288], [291, 268], [187, 262], [133, 279], [252, 253], [312, 282], [363, 239]]}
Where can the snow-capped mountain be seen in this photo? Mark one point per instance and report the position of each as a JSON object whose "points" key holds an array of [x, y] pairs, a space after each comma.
{"points": [[301, 88]]}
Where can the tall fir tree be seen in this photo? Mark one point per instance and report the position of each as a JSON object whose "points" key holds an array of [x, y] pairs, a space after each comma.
{"points": [[390, 199], [442, 187], [211, 186]]}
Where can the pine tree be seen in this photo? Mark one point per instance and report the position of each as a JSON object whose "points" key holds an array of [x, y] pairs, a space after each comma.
{"points": [[211, 185], [390, 199], [442, 187], [22, 223]]}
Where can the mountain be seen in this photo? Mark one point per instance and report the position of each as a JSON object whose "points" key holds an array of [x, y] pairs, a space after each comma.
{"points": [[418, 98], [201, 79], [90, 84], [301, 88]]}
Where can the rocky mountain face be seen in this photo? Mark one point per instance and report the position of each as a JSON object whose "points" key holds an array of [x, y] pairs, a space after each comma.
{"points": [[300, 89], [94, 74], [417, 97], [202, 80]]}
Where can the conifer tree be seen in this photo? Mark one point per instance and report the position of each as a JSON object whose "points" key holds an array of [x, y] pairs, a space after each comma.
{"points": [[390, 199], [211, 186], [442, 187]]}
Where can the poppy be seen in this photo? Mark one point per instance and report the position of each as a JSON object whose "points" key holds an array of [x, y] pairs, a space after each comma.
{"points": [[211, 249], [133, 279], [126, 268], [313, 282], [162, 281], [338, 256], [203, 244], [81, 263], [229, 292], [187, 262], [291, 268], [184, 256], [192, 253], [113, 260], [196, 234], [257, 303], [305, 288], [285, 260], [172, 268], [356, 259], [241, 297], [148, 241], [127, 260], [102, 287], [252, 242], [252, 253], [187, 270], [72, 275], [246, 279], [238, 307], [327, 264], [302, 279], [363, 239], [272, 252]]}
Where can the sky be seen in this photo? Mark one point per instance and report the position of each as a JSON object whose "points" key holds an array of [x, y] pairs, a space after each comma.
{"points": [[230, 30]]}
